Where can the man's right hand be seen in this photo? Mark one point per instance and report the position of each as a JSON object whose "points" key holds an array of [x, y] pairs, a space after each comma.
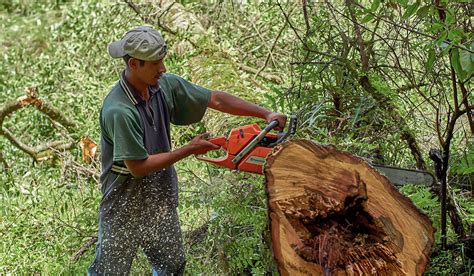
{"points": [[159, 161], [200, 145]]}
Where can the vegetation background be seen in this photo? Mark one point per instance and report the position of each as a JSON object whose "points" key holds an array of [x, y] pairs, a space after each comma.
{"points": [[386, 80]]}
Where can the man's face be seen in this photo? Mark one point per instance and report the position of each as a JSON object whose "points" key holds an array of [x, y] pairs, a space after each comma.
{"points": [[149, 72]]}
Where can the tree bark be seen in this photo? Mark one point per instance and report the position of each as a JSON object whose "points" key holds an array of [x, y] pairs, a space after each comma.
{"points": [[333, 214]]}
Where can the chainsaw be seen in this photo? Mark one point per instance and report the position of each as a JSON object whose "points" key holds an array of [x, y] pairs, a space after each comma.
{"points": [[248, 146]]}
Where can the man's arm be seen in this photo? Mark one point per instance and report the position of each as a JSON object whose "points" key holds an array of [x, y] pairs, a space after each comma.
{"points": [[227, 103], [220, 101], [156, 162]]}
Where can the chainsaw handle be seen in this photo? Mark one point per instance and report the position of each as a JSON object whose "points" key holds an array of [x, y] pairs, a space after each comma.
{"points": [[291, 131], [269, 127], [222, 140], [219, 141]]}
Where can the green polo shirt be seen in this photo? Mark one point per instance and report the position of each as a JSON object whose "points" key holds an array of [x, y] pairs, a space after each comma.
{"points": [[133, 129]]}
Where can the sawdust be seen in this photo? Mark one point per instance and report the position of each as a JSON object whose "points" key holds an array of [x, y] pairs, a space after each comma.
{"points": [[140, 212]]}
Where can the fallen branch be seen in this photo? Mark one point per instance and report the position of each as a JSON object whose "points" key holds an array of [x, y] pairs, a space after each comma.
{"points": [[76, 166], [31, 98], [74, 258], [42, 151]]}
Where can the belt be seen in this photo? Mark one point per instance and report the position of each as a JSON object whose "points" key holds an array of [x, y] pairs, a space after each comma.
{"points": [[120, 170]]}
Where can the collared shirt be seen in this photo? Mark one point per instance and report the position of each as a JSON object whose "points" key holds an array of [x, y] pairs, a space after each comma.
{"points": [[154, 119], [133, 129]]}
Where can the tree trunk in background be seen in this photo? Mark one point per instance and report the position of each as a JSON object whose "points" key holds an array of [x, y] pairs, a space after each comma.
{"points": [[331, 213]]}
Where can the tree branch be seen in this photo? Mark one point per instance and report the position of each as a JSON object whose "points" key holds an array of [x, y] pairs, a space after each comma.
{"points": [[360, 41], [271, 49], [416, 31], [147, 20], [465, 94], [306, 47], [31, 98], [306, 19], [271, 77]]}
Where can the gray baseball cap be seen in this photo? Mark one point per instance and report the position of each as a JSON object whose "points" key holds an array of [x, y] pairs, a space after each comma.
{"points": [[142, 42]]}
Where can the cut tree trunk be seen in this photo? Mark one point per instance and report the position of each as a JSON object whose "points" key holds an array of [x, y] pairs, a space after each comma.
{"points": [[332, 214]]}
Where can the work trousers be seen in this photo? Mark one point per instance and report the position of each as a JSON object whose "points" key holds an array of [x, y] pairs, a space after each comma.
{"points": [[139, 212]]}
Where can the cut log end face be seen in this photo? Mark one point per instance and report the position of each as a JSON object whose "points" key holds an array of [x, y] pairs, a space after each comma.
{"points": [[340, 236], [332, 214]]}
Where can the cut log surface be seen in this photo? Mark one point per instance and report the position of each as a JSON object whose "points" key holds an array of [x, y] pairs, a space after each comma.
{"points": [[333, 214]]}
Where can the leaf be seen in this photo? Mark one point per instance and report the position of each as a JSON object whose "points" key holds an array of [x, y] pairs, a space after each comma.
{"points": [[457, 64], [403, 2], [443, 45], [411, 10], [465, 59], [367, 18], [435, 27], [455, 34], [375, 5], [423, 11], [442, 38], [431, 59], [450, 19], [472, 49]]}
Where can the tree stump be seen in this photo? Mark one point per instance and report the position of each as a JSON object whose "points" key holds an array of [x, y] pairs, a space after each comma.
{"points": [[333, 214]]}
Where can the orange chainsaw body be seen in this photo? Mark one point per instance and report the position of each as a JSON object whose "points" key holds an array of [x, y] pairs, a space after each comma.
{"points": [[233, 145]]}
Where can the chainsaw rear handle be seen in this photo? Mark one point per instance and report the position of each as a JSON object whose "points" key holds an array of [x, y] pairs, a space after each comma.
{"points": [[219, 141]]}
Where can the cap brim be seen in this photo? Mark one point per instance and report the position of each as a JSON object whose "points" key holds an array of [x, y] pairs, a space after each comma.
{"points": [[116, 49]]}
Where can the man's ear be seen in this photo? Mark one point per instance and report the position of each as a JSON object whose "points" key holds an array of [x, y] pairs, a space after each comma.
{"points": [[132, 63]]}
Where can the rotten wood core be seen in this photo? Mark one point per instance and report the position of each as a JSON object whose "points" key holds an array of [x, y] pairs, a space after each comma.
{"points": [[340, 235], [332, 214]]}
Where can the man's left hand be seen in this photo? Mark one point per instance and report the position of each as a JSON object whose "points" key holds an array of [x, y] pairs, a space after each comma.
{"points": [[279, 117]]}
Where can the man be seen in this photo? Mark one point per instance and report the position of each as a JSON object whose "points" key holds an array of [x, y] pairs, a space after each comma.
{"points": [[139, 183]]}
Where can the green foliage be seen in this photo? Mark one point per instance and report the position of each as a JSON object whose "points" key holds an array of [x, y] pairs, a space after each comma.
{"points": [[50, 209], [453, 262], [463, 63], [240, 224], [411, 9], [425, 201], [232, 206], [465, 164]]}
